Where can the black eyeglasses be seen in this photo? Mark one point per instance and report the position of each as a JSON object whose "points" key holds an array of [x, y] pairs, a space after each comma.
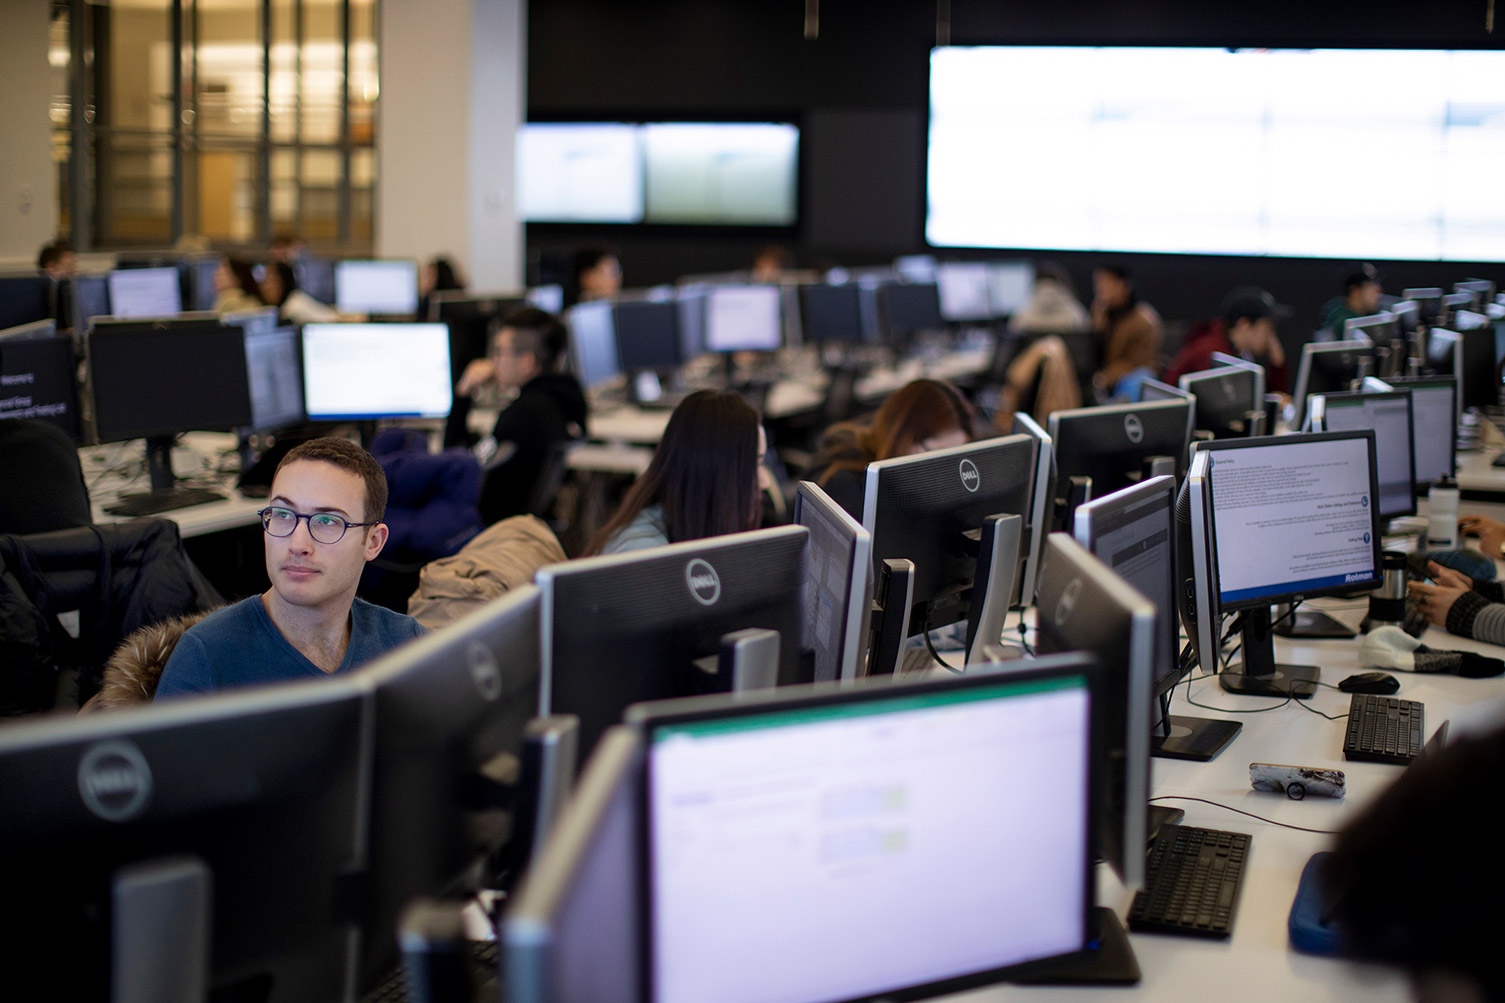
{"points": [[324, 527]]}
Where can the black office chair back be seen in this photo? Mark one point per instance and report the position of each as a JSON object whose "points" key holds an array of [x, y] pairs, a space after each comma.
{"points": [[41, 480]]}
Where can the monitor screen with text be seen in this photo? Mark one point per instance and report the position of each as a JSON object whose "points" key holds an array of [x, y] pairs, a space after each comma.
{"points": [[362, 371]]}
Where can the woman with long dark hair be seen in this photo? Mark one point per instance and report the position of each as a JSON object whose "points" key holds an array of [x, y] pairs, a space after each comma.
{"points": [[703, 480], [916, 418]]}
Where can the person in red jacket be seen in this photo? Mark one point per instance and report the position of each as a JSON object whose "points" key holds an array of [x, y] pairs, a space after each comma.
{"points": [[1246, 328]]}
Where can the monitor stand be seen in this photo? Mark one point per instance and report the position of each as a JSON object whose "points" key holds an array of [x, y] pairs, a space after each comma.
{"points": [[164, 496], [1261, 675], [1312, 623], [890, 616], [1196, 739], [993, 583], [1108, 959]]}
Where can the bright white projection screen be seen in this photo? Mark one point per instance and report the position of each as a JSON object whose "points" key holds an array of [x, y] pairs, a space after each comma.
{"points": [[1340, 153]]}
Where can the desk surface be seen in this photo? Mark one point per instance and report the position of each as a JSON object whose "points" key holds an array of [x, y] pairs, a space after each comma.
{"points": [[1258, 958], [120, 468]]}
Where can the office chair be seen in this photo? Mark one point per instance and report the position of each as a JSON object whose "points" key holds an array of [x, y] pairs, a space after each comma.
{"points": [[43, 488]]}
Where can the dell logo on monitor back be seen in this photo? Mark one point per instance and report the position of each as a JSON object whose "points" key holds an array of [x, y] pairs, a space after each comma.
{"points": [[704, 583], [1133, 427], [484, 672], [971, 479], [1067, 602], [115, 781]]}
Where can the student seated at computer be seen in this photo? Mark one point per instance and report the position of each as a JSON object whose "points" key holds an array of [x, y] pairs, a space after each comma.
{"points": [[322, 524], [438, 276], [916, 418], [279, 287], [1129, 331], [549, 410], [706, 478], [235, 286], [1361, 298], [1246, 328], [58, 259], [596, 275], [1053, 307]]}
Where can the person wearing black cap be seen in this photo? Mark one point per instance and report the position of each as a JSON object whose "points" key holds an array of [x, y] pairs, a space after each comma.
{"points": [[1361, 298], [1246, 328]]}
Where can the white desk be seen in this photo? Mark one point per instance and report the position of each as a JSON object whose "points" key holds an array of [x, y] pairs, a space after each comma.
{"points": [[1257, 962], [120, 468]]}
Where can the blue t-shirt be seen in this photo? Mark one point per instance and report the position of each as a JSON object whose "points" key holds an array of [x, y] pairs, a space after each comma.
{"points": [[240, 646]]}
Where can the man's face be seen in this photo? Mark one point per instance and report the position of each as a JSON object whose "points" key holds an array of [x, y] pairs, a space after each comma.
{"points": [[303, 571], [1366, 298], [1110, 290], [1252, 336], [513, 367]]}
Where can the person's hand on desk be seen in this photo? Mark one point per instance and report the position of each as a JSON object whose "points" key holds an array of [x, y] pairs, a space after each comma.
{"points": [[1491, 534], [1435, 600], [478, 373]]}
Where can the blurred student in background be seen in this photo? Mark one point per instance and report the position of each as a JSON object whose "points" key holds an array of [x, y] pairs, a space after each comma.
{"points": [[1129, 331]]}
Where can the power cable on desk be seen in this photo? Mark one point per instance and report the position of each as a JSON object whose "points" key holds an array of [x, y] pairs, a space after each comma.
{"points": [[1216, 804], [930, 647]]}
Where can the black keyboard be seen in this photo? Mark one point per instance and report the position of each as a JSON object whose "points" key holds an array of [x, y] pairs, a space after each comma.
{"points": [[1191, 882], [1383, 730], [483, 977]]}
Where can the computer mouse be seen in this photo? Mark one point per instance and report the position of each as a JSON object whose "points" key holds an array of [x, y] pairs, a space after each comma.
{"points": [[1370, 682]]}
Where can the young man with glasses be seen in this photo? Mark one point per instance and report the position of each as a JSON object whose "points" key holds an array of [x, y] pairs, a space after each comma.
{"points": [[322, 524]]}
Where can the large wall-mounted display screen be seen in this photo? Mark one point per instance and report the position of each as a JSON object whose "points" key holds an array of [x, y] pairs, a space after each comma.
{"points": [[1342, 153], [580, 172]]}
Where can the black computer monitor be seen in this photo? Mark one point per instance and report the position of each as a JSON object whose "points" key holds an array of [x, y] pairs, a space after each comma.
{"points": [[274, 369], [1099, 450], [1084, 605], [205, 844], [1482, 291], [1389, 415], [386, 288], [963, 290], [1329, 367], [39, 378], [1011, 284], [1154, 390], [25, 298], [1381, 328], [1133, 532], [909, 308], [838, 599], [364, 372], [830, 313], [154, 380], [1229, 400], [1429, 306], [593, 343], [1041, 505], [472, 320], [1434, 425], [931, 508], [639, 626], [201, 291], [743, 319], [449, 707], [893, 795], [81, 298], [1470, 357], [315, 276], [145, 292], [572, 930], [649, 345], [1276, 519]]}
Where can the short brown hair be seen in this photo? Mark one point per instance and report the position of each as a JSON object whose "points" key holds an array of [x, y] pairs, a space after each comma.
{"points": [[346, 455]]}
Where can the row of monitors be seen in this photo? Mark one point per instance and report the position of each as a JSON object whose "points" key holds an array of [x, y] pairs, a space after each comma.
{"points": [[237, 371], [369, 288]]}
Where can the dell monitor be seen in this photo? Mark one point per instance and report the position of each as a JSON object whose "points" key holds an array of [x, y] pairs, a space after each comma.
{"points": [[1429, 306], [145, 292], [837, 601], [1133, 532], [909, 308], [1099, 450], [1278, 519], [155, 380], [472, 320], [1040, 507], [1229, 400], [194, 850], [1389, 415], [316, 276], [962, 287], [935, 510], [1154, 390], [273, 367], [571, 931], [623, 628], [649, 345], [743, 319], [39, 378], [1434, 425], [25, 298], [366, 372], [81, 298], [1381, 328], [1011, 284], [922, 797], [1085, 606], [449, 708], [593, 343], [376, 288], [1482, 291], [1329, 367], [201, 291], [1470, 357], [831, 313]]}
